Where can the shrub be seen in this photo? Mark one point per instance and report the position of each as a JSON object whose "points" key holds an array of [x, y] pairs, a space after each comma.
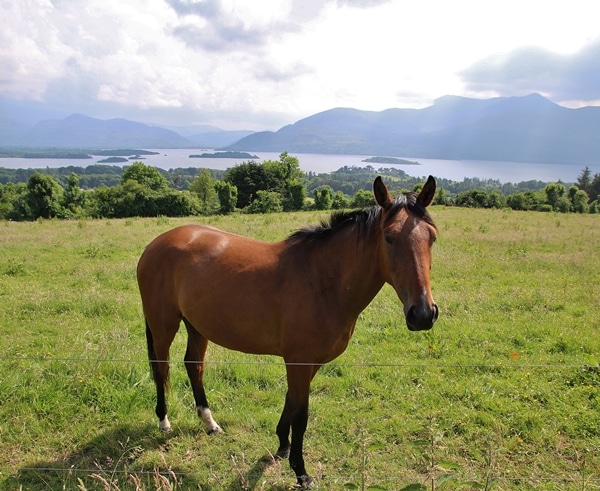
{"points": [[265, 202]]}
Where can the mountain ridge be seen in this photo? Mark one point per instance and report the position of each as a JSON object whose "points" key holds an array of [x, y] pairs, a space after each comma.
{"points": [[520, 129]]}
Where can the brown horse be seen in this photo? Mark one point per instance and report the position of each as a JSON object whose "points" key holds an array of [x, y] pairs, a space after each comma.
{"points": [[298, 298]]}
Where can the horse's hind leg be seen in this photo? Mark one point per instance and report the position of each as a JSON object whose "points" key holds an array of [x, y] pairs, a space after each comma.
{"points": [[194, 364], [158, 354]]}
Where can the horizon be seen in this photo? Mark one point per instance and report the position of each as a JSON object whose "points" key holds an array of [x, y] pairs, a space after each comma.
{"points": [[206, 128]]}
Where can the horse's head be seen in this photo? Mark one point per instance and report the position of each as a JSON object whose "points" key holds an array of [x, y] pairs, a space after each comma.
{"points": [[407, 235]]}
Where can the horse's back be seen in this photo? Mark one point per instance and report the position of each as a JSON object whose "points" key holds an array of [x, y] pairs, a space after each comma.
{"points": [[217, 281]]}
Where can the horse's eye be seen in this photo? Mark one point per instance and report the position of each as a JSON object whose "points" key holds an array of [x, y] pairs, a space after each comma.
{"points": [[388, 239]]}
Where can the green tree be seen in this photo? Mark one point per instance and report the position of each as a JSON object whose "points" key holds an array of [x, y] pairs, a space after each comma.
{"points": [[44, 196], [580, 201], [362, 199], [516, 201], [296, 197], [340, 201], [584, 181], [13, 201], [441, 196], [554, 192], [248, 178], [101, 202], [528, 200], [175, 203], [286, 178], [563, 204], [594, 190], [73, 197], [495, 200], [475, 198], [203, 186], [146, 176], [266, 202], [323, 198], [282, 172], [281, 176], [134, 199], [228, 196]]}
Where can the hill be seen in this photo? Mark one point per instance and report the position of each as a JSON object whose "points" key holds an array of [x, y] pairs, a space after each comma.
{"points": [[80, 131], [519, 129]]}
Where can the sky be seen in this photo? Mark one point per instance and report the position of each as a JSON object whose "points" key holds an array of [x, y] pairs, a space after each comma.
{"points": [[262, 64]]}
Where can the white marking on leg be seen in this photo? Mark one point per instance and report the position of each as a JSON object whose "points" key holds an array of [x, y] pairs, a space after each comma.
{"points": [[164, 425], [211, 424]]}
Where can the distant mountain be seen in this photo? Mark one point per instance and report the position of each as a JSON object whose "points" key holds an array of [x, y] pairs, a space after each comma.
{"points": [[518, 129], [207, 136], [82, 131], [79, 131]]}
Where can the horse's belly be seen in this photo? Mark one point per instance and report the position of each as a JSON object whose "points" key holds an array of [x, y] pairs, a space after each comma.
{"points": [[247, 328]]}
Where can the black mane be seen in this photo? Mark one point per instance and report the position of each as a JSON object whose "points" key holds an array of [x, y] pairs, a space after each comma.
{"points": [[366, 219]]}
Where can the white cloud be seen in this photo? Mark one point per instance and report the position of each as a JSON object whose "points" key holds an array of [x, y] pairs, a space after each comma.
{"points": [[264, 64], [568, 78]]}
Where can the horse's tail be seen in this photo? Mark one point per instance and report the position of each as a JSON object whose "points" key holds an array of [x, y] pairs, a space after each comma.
{"points": [[150, 343]]}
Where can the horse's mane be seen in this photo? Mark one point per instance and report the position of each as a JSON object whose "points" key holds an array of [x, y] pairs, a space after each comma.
{"points": [[365, 219]]}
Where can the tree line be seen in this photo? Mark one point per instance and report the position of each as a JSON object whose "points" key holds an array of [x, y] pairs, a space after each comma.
{"points": [[271, 186]]}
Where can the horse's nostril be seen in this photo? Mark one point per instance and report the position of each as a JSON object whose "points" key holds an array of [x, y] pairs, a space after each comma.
{"points": [[420, 319]]}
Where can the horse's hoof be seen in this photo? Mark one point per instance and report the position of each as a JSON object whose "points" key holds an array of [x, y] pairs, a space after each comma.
{"points": [[215, 431], [283, 453], [306, 482], [165, 426]]}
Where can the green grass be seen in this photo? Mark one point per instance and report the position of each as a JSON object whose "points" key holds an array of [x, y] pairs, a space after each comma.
{"points": [[503, 393]]}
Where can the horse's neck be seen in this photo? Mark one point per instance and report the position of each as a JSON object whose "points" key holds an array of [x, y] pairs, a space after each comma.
{"points": [[350, 266]]}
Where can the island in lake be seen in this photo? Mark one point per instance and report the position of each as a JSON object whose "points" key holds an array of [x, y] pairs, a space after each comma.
{"points": [[224, 155], [123, 152], [61, 153], [390, 160], [113, 160]]}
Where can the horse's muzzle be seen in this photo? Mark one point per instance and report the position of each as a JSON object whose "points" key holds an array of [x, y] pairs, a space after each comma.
{"points": [[421, 317]]}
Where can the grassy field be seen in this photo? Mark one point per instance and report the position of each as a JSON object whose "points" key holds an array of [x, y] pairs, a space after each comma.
{"points": [[503, 393]]}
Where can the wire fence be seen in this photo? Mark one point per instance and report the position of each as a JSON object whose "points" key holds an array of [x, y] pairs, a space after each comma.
{"points": [[511, 365], [117, 477]]}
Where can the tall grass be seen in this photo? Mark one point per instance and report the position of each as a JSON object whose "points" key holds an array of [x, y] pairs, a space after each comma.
{"points": [[503, 393]]}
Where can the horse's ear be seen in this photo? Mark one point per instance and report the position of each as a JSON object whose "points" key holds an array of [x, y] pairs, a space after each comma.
{"points": [[427, 193], [382, 196]]}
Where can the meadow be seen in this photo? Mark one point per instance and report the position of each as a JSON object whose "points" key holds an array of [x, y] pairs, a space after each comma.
{"points": [[503, 393]]}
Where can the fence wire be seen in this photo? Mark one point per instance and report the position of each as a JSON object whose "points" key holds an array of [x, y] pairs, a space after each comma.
{"points": [[169, 479], [282, 363]]}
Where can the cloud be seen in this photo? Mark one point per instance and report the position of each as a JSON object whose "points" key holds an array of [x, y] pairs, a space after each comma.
{"points": [[265, 63], [278, 73], [219, 26], [561, 77], [362, 3]]}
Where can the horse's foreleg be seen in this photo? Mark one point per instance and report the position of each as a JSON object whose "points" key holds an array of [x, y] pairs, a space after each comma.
{"points": [[194, 364], [295, 414]]}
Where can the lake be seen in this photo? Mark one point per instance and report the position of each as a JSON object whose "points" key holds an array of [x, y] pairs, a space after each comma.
{"points": [[455, 170]]}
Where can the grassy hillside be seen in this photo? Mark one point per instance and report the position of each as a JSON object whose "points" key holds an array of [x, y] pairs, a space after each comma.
{"points": [[503, 393]]}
